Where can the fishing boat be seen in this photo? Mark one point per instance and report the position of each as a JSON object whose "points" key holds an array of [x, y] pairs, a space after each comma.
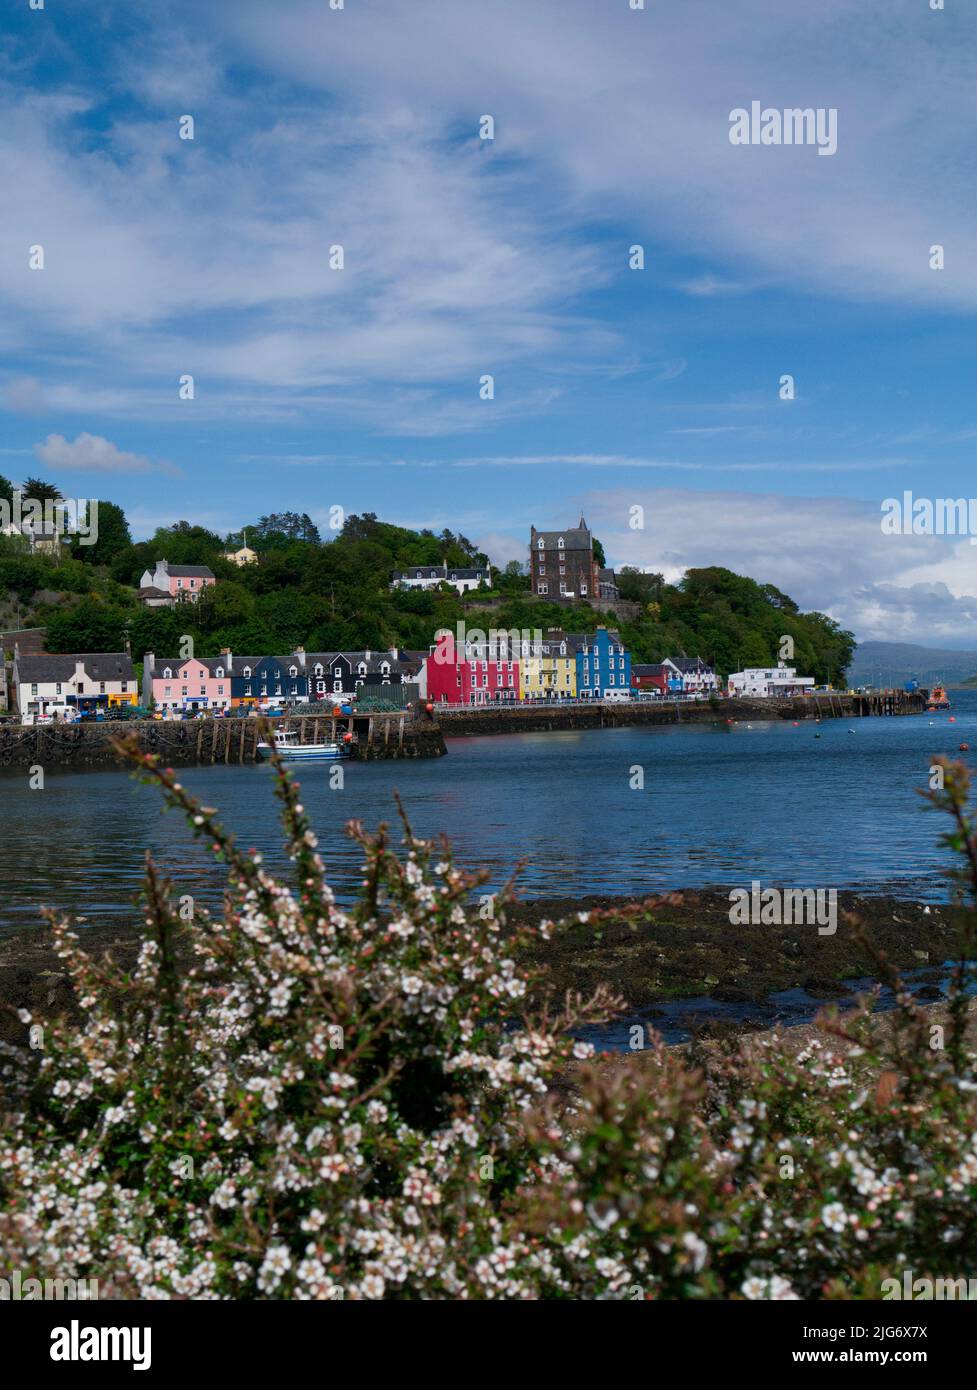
{"points": [[938, 699], [290, 750]]}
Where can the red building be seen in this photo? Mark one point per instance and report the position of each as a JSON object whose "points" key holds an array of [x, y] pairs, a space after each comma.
{"points": [[653, 679], [471, 680]]}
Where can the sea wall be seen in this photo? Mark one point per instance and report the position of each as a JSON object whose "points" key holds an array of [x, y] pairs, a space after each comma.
{"points": [[540, 716], [182, 742]]}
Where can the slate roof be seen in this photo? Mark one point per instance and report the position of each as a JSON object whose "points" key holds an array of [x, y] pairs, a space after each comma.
{"points": [[48, 667], [577, 639], [574, 537], [690, 663], [190, 571]]}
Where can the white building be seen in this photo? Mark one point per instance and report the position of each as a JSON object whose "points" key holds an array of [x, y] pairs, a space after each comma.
{"points": [[696, 676], [430, 576], [86, 680], [768, 681]]}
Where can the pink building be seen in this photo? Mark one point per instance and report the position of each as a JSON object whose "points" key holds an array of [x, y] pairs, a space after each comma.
{"points": [[169, 584], [475, 679], [175, 683]]}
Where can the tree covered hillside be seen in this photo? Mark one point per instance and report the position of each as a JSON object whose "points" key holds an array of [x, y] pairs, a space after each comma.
{"points": [[333, 593]]}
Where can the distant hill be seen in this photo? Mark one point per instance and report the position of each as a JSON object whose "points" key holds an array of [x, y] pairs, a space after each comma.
{"points": [[893, 663]]}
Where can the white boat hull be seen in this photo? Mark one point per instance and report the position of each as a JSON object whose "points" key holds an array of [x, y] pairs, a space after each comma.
{"points": [[305, 752]]}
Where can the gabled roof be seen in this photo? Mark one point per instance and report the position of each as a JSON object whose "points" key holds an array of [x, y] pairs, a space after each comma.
{"points": [[655, 668], [373, 662], [690, 663], [60, 666], [190, 571], [574, 537], [577, 639]]}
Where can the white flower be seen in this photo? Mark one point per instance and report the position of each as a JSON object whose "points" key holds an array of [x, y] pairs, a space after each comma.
{"points": [[834, 1217], [754, 1288], [698, 1248]]}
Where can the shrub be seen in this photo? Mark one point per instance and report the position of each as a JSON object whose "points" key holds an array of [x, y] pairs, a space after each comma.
{"points": [[293, 1100]]}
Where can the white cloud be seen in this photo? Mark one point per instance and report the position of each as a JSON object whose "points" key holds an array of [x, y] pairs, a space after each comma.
{"points": [[826, 553], [91, 454]]}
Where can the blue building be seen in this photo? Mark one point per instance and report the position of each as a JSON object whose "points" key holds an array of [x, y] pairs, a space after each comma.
{"points": [[269, 680], [603, 665]]}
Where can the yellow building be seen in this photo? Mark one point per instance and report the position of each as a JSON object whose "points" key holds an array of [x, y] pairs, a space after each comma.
{"points": [[548, 671], [244, 556]]}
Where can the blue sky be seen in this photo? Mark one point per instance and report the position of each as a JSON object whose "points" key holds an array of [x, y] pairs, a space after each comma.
{"points": [[613, 387]]}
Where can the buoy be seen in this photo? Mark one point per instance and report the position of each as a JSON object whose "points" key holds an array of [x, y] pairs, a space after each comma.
{"points": [[429, 708], [796, 725], [953, 718], [817, 735], [965, 748], [347, 738]]}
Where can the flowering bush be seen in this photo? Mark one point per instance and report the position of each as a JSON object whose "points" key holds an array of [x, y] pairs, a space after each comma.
{"points": [[292, 1100]]}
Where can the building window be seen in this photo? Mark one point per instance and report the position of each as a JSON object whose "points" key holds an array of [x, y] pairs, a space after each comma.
{"points": [[220, 690], [167, 691]]}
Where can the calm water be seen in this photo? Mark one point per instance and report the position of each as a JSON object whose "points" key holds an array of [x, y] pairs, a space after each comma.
{"points": [[720, 805]]}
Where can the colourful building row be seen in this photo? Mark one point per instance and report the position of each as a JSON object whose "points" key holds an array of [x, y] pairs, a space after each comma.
{"points": [[560, 666], [228, 681]]}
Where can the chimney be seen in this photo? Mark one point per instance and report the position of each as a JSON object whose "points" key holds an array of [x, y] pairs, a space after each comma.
{"points": [[148, 663]]}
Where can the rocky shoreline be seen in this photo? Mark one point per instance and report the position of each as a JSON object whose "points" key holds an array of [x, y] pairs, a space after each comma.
{"points": [[678, 947], [683, 946]]}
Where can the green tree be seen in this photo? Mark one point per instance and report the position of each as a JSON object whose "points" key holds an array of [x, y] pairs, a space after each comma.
{"points": [[40, 490], [112, 537], [88, 626]]}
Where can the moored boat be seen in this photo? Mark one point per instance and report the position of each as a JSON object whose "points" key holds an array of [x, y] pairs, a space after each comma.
{"points": [[290, 750], [938, 698]]}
